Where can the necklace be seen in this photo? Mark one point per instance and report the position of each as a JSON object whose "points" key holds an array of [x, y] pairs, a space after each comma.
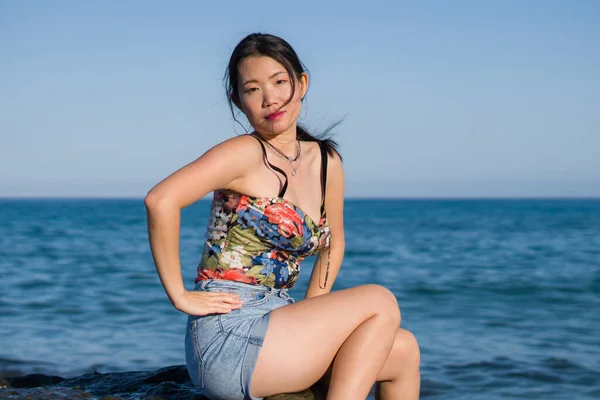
{"points": [[282, 154], [290, 160]]}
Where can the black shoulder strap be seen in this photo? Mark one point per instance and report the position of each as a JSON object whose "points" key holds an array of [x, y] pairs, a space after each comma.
{"points": [[284, 187], [323, 174]]}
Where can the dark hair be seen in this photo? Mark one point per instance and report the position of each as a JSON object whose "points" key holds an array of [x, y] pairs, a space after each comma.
{"points": [[262, 44]]}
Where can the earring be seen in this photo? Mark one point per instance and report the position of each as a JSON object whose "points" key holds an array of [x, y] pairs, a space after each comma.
{"points": [[305, 109]]}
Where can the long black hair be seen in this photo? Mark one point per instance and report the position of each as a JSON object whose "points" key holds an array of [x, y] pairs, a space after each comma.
{"points": [[263, 44]]}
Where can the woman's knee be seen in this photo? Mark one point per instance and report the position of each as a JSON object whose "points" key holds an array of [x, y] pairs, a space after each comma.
{"points": [[384, 302], [406, 348]]}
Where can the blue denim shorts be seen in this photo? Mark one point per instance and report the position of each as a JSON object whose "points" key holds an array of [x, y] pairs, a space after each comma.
{"points": [[221, 349]]}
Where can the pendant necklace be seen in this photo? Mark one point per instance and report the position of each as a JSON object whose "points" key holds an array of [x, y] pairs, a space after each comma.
{"points": [[290, 160]]}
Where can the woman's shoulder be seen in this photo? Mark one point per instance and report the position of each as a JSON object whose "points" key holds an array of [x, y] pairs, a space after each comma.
{"points": [[334, 159], [238, 142], [242, 147], [315, 149], [335, 167]]}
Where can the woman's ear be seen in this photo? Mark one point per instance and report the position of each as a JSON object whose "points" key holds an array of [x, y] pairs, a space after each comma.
{"points": [[303, 84]]}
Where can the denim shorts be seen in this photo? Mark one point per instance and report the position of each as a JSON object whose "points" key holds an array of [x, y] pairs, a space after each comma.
{"points": [[221, 349]]}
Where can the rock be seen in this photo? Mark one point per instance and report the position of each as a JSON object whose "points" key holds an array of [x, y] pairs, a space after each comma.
{"points": [[32, 380], [164, 384]]}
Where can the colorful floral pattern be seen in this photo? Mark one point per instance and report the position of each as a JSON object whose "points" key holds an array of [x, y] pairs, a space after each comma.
{"points": [[259, 240]]}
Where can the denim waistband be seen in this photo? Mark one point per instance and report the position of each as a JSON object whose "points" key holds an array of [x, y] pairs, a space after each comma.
{"points": [[207, 284]]}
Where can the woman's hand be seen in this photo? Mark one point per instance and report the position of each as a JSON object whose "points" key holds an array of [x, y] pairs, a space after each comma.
{"points": [[201, 303]]}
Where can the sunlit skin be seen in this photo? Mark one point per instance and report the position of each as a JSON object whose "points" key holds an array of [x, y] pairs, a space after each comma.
{"points": [[349, 338]]}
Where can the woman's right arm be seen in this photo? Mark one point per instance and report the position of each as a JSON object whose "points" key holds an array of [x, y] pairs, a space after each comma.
{"points": [[219, 168]]}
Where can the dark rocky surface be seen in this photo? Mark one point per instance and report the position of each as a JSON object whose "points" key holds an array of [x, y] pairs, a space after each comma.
{"points": [[166, 383]]}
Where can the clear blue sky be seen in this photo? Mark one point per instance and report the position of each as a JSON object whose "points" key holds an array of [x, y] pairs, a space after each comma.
{"points": [[442, 99]]}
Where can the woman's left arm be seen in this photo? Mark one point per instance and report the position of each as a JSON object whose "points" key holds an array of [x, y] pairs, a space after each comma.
{"points": [[334, 206]]}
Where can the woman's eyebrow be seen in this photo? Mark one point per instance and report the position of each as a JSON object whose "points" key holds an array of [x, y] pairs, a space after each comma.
{"points": [[271, 77]]}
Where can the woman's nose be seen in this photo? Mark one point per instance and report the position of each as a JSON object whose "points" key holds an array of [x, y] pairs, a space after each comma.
{"points": [[269, 98]]}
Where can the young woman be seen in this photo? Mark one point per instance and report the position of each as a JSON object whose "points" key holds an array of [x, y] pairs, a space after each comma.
{"points": [[278, 197]]}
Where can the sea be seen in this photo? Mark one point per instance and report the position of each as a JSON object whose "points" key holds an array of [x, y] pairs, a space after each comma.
{"points": [[503, 295]]}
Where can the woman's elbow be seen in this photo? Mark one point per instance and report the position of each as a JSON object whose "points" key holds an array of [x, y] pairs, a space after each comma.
{"points": [[151, 199], [156, 199]]}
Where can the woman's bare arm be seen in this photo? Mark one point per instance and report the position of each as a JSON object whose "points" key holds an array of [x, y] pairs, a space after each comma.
{"points": [[334, 204], [219, 168]]}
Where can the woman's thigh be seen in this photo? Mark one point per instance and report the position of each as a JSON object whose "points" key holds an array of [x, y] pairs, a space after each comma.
{"points": [[303, 338]]}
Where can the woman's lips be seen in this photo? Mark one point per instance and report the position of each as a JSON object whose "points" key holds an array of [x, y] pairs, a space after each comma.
{"points": [[275, 116]]}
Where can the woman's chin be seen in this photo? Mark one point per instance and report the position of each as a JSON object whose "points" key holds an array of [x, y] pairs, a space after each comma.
{"points": [[275, 128]]}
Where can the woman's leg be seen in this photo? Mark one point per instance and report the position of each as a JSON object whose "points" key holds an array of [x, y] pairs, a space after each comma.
{"points": [[355, 326], [400, 377]]}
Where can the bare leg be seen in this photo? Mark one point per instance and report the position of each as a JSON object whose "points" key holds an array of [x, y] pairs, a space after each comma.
{"points": [[355, 326], [400, 377]]}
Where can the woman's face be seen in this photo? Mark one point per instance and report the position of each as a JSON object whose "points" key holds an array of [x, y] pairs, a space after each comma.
{"points": [[264, 88]]}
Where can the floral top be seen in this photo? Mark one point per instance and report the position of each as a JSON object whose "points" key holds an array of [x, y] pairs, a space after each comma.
{"points": [[262, 240], [259, 240]]}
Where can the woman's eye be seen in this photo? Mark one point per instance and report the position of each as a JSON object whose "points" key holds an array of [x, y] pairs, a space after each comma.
{"points": [[281, 81], [251, 90]]}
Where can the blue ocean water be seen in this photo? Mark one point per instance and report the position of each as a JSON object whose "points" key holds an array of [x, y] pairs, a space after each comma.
{"points": [[503, 295]]}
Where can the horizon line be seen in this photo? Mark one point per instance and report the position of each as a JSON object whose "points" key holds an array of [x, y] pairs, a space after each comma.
{"points": [[353, 197]]}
